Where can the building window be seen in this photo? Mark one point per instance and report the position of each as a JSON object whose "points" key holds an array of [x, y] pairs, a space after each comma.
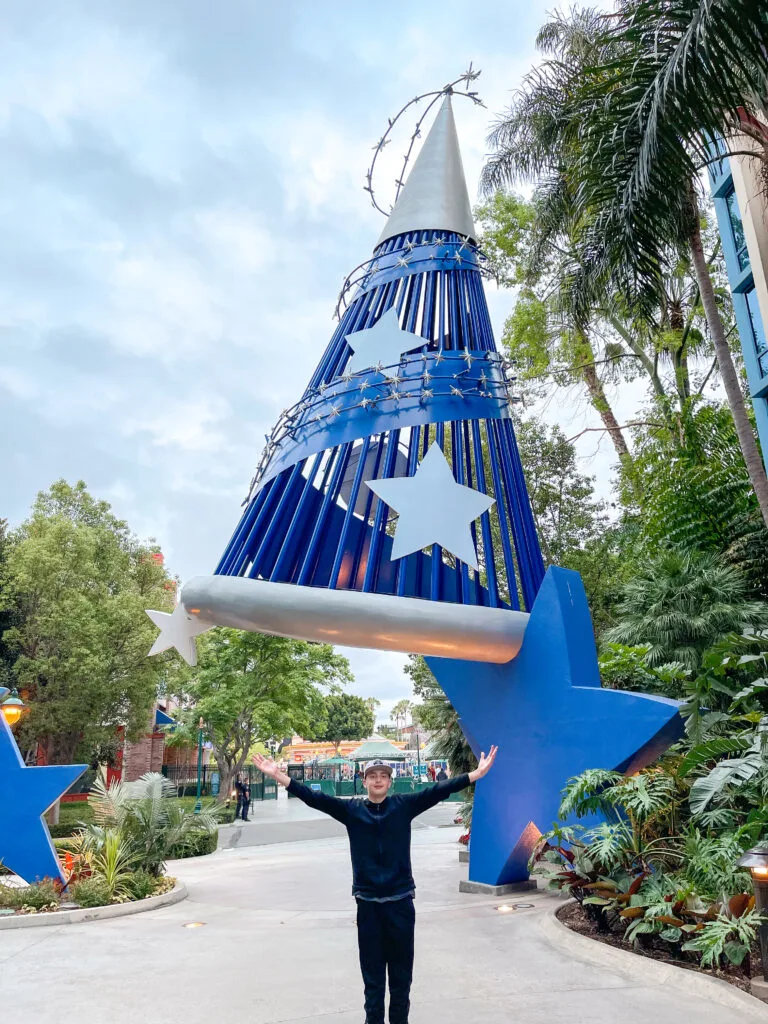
{"points": [[758, 331], [738, 230]]}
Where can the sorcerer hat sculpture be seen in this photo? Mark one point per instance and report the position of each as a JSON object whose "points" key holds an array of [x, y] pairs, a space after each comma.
{"points": [[390, 511]]}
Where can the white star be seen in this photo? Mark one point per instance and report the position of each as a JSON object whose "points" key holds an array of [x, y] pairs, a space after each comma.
{"points": [[410, 246], [381, 345], [439, 357], [426, 393], [403, 261], [432, 509], [468, 358], [347, 377], [426, 376], [457, 391], [395, 379], [364, 385], [394, 394], [457, 257], [178, 630], [366, 402], [335, 411]]}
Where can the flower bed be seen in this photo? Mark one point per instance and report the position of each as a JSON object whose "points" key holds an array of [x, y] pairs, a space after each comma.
{"points": [[572, 916], [18, 898]]}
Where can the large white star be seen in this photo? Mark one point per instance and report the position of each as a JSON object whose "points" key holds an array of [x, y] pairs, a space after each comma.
{"points": [[432, 508], [383, 343], [178, 630]]}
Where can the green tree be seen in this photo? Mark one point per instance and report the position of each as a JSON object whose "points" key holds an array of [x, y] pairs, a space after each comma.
{"points": [[251, 686], [562, 499], [627, 208], [76, 582], [439, 717], [399, 715], [344, 717], [681, 604]]}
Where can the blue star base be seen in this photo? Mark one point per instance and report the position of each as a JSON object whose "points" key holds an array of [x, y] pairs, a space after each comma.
{"points": [[551, 720], [25, 795]]}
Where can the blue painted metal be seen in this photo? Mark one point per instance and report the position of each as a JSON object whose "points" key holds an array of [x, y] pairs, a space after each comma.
{"points": [[295, 527], [752, 330], [551, 720], [25, 795], [306, 523]]}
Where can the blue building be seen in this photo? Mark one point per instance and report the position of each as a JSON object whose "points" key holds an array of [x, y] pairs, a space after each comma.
{"points": [[744, 239]]}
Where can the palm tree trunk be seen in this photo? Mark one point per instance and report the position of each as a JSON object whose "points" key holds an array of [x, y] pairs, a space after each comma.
{"points": [[730, 379]]}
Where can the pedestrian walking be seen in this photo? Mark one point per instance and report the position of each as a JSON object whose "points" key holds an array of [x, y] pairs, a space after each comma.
{"points": [[246, 800], [379, 829], [442, 775]]}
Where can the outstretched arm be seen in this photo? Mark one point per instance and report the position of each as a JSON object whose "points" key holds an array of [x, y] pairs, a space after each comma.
{"points": [[331, 805], [442, 790]]}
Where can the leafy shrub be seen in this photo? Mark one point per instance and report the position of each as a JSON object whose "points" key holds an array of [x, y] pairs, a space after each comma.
{"points": [[41, 896], [139, 885], [197, 846], [91, 892]]}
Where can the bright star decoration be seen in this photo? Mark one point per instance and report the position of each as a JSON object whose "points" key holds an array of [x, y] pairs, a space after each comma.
{"points": [[25, 795], [383, 344], [551, 719], [177, 629], [433, 508]]}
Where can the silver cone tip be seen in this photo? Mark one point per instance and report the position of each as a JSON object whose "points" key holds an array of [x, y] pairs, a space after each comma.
{"points": [[435, 195]]}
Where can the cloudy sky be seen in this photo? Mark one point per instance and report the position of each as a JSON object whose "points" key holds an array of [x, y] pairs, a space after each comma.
{"points": [[180, 200]]}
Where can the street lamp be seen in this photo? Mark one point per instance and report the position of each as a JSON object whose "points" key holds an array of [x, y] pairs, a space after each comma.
{"points": [[11, 707], [756, 860], [198, 804]]}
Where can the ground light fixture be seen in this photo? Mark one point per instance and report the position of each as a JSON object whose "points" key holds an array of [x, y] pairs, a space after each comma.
{"points": [[194, 924], [756, 860], [12, 707]]}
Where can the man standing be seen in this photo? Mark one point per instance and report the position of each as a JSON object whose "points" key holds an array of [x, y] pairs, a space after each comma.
{"points": [[379, 830]]}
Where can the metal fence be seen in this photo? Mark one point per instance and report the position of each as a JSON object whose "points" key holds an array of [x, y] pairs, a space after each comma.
{"points": [[184, 778]]}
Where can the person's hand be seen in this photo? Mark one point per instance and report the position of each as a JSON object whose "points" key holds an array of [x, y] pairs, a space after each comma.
{"points": [[485, 764], [266, 765]]}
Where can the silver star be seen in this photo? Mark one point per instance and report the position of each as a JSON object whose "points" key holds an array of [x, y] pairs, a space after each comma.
{"points": [[384, 343], [347, 377], [366, 402], [458, 257], [403, 261], [322, 388], [426, 376], [468, 358], [375, 268], [410, 246], [394, 394], [439, 357], [178, 629], [364, 385], [395, 380], [426, 393], [439, 240], [335, 411], [379, 367], [457, 391], [432, 509], [317, 418], [433, 256], [483, 378]]}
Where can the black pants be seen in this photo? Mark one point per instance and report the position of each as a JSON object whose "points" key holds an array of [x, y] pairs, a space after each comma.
{"points": [[385, 938]]}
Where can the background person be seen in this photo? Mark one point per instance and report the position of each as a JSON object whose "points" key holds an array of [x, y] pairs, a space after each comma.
{"points": [[379, 830]]}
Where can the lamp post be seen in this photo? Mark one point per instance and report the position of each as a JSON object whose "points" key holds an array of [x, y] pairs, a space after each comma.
{"points": [[756, 860], [198, 804], [12, 707]]}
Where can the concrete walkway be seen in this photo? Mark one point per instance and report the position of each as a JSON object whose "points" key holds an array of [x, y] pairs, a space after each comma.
{"points": [[277, 945]]}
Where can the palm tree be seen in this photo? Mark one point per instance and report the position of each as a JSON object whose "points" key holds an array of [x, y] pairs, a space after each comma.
{"points": [[399, 715], [682, 604], [601, 125]]}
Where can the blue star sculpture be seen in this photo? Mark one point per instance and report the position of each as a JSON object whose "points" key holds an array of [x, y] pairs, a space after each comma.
{"points": [[25, 795], [551, 720]]}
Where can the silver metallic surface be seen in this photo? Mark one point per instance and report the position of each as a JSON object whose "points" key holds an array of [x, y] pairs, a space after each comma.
{"points": [[435, 195], [404, 624]]}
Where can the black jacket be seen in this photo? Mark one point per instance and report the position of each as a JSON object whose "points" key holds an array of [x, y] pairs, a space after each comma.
{"points": [[380, 834]]}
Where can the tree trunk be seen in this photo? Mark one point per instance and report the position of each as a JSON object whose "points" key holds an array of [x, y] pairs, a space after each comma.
{"points": [[602, 406], [730, 379]]}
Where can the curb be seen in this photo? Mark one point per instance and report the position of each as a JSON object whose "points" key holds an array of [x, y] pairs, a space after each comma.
{"points": [[59, 917], [654, 972]]}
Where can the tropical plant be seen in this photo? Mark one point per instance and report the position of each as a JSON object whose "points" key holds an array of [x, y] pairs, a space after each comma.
{"points": [[584, 126], [108, 854], [151, 825], [681, 604]]}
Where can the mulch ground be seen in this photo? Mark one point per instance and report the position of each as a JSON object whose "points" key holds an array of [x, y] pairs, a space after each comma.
{"points": [[574, 918]]}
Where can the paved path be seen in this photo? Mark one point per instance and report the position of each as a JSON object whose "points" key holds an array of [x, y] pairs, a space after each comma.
{"points": [[278, 946]]}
